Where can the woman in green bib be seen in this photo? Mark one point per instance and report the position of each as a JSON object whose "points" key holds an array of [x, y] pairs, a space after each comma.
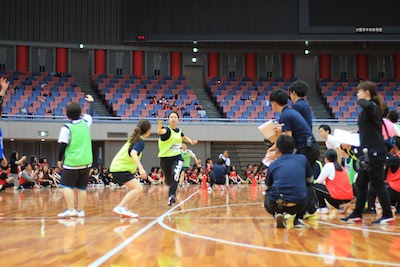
{"points": [[124, 166], [169, 145]]}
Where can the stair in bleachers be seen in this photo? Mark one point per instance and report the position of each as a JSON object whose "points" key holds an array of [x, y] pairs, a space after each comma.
{"points": [[99, 108], [140, 97], [317, 104], [240, 154], [206, 102]]}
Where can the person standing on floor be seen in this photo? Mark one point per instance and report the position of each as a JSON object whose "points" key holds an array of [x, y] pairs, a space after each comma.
{"points": [[187, 155], [297, 93], [4, 86], [373, 146], [169, 145], [75, 157], [124, 165]]}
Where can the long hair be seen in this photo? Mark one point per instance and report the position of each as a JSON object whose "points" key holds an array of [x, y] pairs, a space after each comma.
{"points": [[331, 156], [13, 155], [371, 87], [142, 127]]}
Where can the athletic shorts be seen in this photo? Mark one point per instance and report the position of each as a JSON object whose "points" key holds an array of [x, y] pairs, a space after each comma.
{"points": [[122, 178], [75, 178]]}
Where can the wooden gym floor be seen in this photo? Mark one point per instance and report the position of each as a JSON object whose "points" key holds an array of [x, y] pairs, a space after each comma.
{"points": [[202, 229]]}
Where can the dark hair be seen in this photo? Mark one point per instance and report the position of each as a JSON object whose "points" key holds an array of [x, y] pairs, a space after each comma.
{"points": [[285, 144], [142, 127], [13, 155], [325, 127], [27, 164], [385, 111], [220, 161], [279, 96], [173, 112], [371, 87], [33, 159], [299, 87], [393, 116], [74, 111], [331, 156], [396, 141]]}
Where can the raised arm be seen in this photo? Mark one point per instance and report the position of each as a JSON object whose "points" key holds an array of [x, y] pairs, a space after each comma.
{"points": [[90, 100], [160, 129]]}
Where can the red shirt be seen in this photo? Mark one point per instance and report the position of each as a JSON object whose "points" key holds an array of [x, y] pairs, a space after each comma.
{"points": [[193, 177], [340, 188], [393, 179]]}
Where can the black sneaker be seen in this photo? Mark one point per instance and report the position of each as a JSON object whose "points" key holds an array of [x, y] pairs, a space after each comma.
{"points": [[280, 220], [171, 200], [298, 223]]}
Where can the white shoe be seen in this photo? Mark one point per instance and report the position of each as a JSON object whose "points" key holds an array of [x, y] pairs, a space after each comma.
{"points": [[80, 213], [68, 213], [323, 210], [124, 213]]}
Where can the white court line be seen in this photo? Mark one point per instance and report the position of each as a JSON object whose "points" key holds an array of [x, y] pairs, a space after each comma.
{"points": [[217, 240], [117, 249], [215, 207], [362, 229]]}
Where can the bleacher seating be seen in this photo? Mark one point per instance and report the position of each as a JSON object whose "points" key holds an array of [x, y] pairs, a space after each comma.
{"points": [[245, 98], [340, 96], [40, 93], [131, 96]]}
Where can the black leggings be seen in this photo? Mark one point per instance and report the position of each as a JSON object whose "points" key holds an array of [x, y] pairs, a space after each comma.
{"points": [[394, 197], [171, 168], [376, 176], [322, 193]]}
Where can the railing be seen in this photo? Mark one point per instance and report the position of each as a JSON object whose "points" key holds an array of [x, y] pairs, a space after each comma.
{"points": [[11, 117]]}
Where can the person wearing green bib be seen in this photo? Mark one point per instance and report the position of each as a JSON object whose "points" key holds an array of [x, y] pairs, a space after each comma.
{"points": [[124, 165], [75, 157], [169, 145], [187, 155]]}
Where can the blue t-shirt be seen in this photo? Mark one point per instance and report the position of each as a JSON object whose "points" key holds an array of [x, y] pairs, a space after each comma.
{"points": [[294, 122], [302, 107], [287, 178], [219, 171], [138, 146]]}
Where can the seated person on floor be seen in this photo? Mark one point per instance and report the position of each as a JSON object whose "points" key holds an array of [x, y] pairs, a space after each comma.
{"points": [[332, 184]]}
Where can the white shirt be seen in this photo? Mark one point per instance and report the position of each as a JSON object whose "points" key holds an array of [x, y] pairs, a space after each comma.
{"points": [[396, 129], [65, 134], [328, 171], [331, 142], [227, 160]]}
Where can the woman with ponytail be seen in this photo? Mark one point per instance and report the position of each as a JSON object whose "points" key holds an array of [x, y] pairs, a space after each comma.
{"points": [[374, 149], [124, 166]]}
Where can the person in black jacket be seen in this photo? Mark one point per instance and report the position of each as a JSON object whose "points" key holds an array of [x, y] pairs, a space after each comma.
{"points": [[373, 146]]}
